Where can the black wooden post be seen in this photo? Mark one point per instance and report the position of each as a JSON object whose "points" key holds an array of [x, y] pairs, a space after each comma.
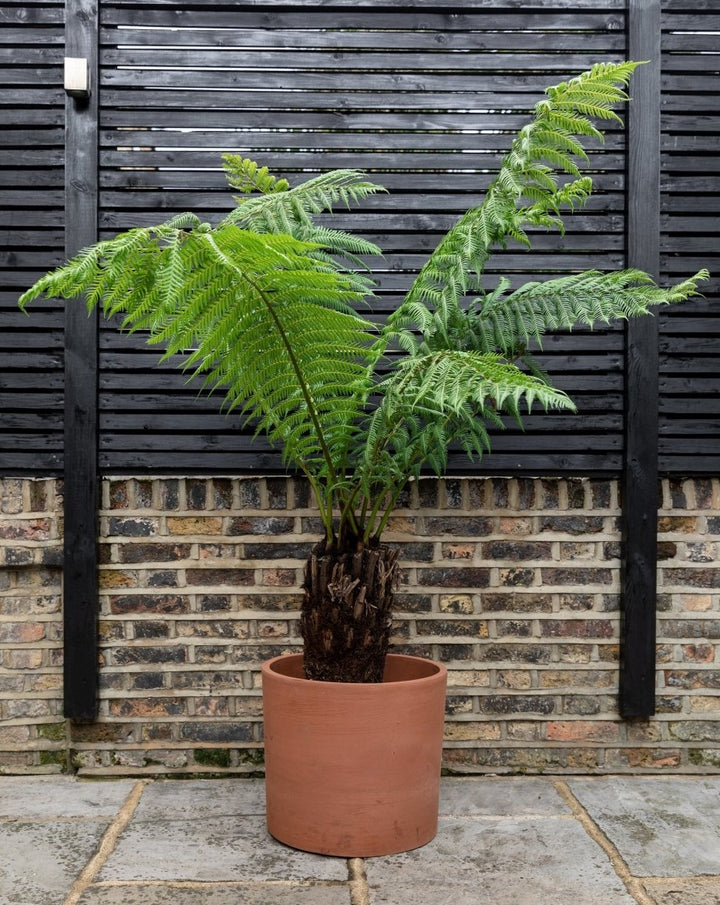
{"points": [[81, 479], [640, 485]]}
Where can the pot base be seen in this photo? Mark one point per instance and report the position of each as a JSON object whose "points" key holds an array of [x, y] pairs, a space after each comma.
{"points": [[353, 769]]}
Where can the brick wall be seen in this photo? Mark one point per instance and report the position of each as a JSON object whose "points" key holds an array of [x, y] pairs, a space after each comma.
{"points": [[513, 583]]}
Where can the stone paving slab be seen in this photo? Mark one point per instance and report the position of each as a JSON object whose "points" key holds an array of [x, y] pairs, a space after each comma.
{"points": [[40, 797], [235, 894], [39, 862], [212, 848], [520, 796], [201, 798], [686, 891], [512, 861], [662, 826]]}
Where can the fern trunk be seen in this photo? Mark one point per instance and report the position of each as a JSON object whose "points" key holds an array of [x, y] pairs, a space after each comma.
{"points": [[347, 612]]}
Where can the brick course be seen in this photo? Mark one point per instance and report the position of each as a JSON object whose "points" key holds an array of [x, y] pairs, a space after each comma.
{"points": [[514, 583]]}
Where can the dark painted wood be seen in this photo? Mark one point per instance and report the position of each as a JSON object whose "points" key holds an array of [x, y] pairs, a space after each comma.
{"points": [[440, 82], [81, 381], [640, 471]]}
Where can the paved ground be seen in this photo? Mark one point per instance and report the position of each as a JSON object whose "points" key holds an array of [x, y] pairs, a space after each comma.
{"points": [[502, 841]]}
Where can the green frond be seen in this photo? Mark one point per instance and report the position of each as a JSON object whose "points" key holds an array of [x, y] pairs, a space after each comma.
{"points": [[509, 322], [550, 144], [246, 176], [293, 209]]}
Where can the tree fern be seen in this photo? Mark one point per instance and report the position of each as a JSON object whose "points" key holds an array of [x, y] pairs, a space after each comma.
{"points": [[262, 306]]}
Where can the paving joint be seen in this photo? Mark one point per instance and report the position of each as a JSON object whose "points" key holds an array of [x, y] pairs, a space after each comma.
{"points": [[633, 885], [357, 874], [107, 844]]}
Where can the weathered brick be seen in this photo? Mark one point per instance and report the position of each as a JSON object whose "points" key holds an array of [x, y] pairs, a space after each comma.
{"points": [[702, 653], [144, 494], [277, 551], [517, 602], [695, 578], [209, 603], [279, 578], [147, 629], [22, 659], [515, 527], [249, 493], [577, 628], [35, 529], [218, 576], [19, 556], [526, 488], [453, 493], [514, 628], [467, 731], [576, 602], [459, 526], [125, 656], [516, 550], [583, 730], [572, 524], [133, 526], [170, 494], [222, 496], [196, 493], [152, 553], [21, 632], [149, 603], [600, 494], [415, 552], [677, 524], [163, 578], [468, 678], [517, 578], [500, 704], [215, 628], [690, 678], [464, 577], [148, 681], [576, 576], [226, 731], [148, 707], [565, 678], [39, 493], [254, 525], [202, 525], [118, 578], [695, 730], [427, 490], [456, 603], [516, 653], [691, 628], [460, 628], [516, 679], [211, 706]]}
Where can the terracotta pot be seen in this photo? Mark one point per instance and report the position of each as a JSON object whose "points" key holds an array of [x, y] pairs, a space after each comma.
{"points": [[353, 769]]}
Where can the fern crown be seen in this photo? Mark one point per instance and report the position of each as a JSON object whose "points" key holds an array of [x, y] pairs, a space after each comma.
{"points": [[264, 308]]}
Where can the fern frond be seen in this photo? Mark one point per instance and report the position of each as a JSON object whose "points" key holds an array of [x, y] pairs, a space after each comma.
{"points": [[293, 209], [246, 176], [550, 144], [509, 323]]}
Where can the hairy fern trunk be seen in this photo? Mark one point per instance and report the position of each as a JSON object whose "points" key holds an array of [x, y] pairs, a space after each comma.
{"points": [[347, 611]]}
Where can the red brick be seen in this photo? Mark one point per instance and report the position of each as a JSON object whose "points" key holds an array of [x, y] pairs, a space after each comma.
{"points": [[583, 730]]}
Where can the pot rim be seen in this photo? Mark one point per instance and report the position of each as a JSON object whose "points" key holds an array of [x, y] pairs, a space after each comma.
{"points": [[438, 673]]}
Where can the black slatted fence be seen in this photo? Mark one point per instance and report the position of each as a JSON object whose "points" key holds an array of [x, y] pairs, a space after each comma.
{"points": [[426, 97], [31, 233]]}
